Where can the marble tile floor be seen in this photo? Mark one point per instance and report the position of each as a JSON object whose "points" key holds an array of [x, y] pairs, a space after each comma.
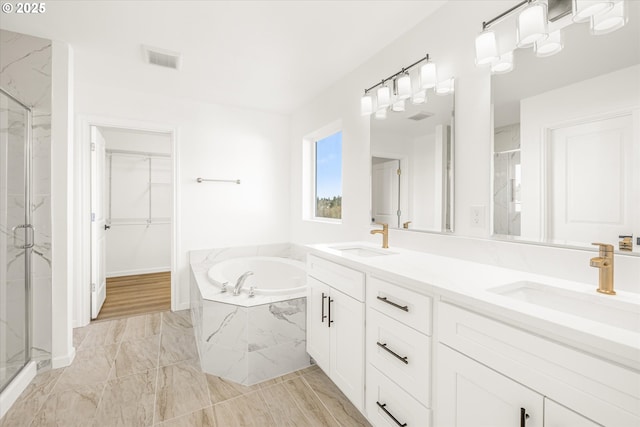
{"points": [[144, 371]]}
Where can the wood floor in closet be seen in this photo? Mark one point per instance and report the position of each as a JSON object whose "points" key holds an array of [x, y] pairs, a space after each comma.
{"points": [[138, 294]]}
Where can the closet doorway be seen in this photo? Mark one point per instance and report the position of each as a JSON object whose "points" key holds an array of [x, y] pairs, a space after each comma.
{"points": [[131, 221]]}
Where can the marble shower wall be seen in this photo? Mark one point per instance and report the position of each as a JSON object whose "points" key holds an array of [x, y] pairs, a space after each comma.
{"points": [[25, 72]]}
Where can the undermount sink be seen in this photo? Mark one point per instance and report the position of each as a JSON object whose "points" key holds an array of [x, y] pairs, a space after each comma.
{"points": [[610, 310], [362, 251]]}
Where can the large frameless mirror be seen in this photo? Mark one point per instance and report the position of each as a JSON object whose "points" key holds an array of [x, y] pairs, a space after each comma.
{"points": [[412, 166], [566, 143]]}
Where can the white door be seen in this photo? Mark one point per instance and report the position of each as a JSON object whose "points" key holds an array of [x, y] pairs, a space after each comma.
{"points": [[317, 323], [472, 395], [98, 222], [591, 181], [556, 415], [385, 197], [346, 315]]}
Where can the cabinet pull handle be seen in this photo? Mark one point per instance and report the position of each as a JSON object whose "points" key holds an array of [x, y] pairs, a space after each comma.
{"points": [[401, 307], [330, 319], [523, 417], [382, 406], [323, 315], [402, 358]]}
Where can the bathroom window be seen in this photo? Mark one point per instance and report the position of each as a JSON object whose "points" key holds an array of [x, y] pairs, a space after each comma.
{"points": [[322, 174], [328, 176]]}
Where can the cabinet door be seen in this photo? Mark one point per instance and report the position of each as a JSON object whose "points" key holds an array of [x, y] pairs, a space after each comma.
{"points": [[347, 346], [472, 395], [556, 415], [318, 341]]}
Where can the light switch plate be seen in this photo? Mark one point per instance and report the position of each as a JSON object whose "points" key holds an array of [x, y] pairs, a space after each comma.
{"points": [[477, 216]]}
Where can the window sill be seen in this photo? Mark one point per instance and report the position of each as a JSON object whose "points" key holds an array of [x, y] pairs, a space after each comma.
{"points": [[325, 220]]}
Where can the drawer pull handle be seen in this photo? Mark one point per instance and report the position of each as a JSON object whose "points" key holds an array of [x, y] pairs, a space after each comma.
{"points": [[382, 406], [324, 316], [523, 417], [402, 358], [401, 307]]}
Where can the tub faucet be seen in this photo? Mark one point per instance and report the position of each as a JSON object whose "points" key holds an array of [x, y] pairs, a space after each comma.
{"points": [[604, 261], [240, 282]]}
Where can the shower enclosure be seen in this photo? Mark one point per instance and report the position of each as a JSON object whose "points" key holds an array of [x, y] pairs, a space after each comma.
{"points": [[16, 237]]}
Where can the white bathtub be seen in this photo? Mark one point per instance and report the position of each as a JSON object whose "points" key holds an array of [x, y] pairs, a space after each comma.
{"points": [[250, 339], [271, 275]]}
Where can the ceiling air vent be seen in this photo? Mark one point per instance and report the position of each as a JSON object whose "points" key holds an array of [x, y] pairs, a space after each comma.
{"points": [[162, 57], [420, 116]]}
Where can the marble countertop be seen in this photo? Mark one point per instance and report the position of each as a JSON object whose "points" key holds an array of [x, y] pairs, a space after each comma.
{"points": [[468, 284]]}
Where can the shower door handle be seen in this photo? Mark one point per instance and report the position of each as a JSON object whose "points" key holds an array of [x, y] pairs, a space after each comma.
{"points": [[28, 243]]}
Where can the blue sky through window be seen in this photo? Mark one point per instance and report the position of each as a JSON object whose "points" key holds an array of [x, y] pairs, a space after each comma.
{"points": [[329, 166]]}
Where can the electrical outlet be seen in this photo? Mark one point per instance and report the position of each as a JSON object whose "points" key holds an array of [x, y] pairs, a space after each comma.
{"points": [[477, 216]]}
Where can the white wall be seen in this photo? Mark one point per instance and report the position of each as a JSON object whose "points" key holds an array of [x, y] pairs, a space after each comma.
{"points": [[134, 247], [449, 37], [213, 142]]}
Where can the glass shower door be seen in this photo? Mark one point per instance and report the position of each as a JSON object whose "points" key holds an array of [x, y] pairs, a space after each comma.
{"points": [[16, 237]]}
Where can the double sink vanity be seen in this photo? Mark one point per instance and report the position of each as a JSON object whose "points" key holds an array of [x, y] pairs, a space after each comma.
{"points": [[415, 339]]}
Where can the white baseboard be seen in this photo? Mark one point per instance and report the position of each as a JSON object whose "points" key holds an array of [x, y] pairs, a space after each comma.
{"points": [[138, 271], [62, 361], [11, 393]]}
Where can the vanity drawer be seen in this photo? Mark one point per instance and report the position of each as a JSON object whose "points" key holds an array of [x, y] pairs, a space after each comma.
{"points": [[405, 356], [403, 305], [344, 279], [398, 404]]}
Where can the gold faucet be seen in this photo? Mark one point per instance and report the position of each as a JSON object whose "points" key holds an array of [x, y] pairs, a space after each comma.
{"points": [[604, 261], [626, 244], [385, 234], [406, 224]]}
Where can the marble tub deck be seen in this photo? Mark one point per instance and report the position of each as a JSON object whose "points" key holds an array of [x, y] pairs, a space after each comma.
{"points": [[144, 371]]}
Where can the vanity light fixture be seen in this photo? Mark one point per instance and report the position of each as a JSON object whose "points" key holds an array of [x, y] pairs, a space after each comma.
{"points": [[398, 105], [551, 45], [366, 104], [532, 27], [403, 86], [532, 24], [383, 96], [583, 10], [610, 21], [428, 75], [445, 87], [391, 93], [381, 113], [486, 47], [503, 64], [420, 97]]}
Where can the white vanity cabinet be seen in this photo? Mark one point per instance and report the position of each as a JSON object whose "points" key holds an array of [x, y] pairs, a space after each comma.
{"points": [[398, 350], [335, 324], [493, 374], [472, 395], [556, 415]]}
